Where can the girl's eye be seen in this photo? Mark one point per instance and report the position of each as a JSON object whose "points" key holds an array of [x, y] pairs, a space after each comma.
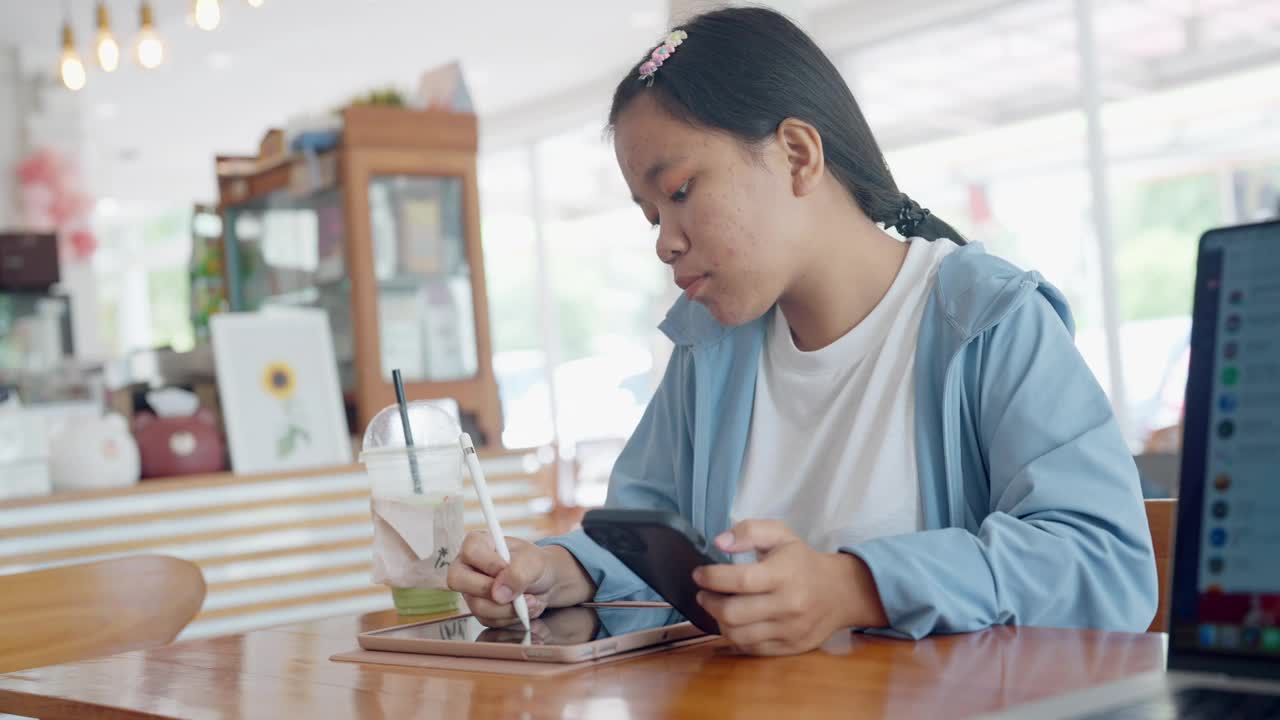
{"points": [[681, 193]]}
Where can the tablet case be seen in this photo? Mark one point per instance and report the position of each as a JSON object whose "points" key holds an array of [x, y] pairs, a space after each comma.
{"points": [[502, 667]]}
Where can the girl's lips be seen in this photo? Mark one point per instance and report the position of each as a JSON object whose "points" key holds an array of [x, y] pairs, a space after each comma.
{"points": [[691, 286]]}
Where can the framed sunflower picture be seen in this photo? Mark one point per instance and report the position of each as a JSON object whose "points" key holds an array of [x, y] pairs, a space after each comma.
{"points": [[278, 385]]}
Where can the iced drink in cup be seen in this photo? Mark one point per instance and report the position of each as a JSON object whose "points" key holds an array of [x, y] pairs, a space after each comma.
{"points": [[417, 505]]}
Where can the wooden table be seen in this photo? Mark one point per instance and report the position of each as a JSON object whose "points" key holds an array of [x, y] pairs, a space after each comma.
{"points": [[285, 673]]}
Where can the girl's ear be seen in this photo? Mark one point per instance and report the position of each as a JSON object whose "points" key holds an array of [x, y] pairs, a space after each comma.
{"points": [[803, 147]]}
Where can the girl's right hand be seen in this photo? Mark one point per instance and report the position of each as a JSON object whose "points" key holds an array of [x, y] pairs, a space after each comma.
{"points": [[489, 584]]}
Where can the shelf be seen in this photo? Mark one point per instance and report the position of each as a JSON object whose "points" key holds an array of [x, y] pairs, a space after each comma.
{"points": [[405, 205]]}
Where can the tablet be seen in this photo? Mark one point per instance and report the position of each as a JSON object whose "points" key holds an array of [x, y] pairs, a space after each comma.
{"points": [[562, 635]]}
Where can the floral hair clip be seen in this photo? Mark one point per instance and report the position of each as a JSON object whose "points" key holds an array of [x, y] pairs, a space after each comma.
{"points": [[660, 55]]}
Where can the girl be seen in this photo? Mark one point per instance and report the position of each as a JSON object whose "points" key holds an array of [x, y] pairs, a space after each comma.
{"points": [[902, 432]]}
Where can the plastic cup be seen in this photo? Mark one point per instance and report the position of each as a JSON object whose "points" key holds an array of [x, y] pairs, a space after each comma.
{"points": [[417, 506]]}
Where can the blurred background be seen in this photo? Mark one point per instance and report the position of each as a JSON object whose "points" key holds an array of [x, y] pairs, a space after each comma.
{"points": [[1091, 140]]}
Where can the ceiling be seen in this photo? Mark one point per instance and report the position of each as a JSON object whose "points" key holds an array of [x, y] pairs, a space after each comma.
{"points": [[994, 90], [217, 92], [927, 70], [1021, 61]]}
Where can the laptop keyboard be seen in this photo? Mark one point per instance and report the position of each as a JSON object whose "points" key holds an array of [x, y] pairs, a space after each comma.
{"points": [[1198, 703]]}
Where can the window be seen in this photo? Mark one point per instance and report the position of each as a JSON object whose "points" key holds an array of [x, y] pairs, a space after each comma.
{"points": [[610, 292], [141, 268], [509, 236]]}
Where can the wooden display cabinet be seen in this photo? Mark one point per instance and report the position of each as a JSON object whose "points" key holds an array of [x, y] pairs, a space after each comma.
{"points": [[382, 231]]}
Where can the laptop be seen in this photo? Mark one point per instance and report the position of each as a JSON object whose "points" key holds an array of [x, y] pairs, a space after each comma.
{"points": [[1224, 623]]}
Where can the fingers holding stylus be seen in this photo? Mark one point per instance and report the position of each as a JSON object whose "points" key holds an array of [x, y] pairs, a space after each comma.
{"points": [[489, 584], [501, 614]]}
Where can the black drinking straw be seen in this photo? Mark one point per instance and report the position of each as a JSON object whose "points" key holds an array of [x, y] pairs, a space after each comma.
{"points": [[408, 431]]}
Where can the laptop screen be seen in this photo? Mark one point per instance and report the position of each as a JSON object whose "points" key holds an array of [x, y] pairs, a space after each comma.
{"points": [[1227, 583]]}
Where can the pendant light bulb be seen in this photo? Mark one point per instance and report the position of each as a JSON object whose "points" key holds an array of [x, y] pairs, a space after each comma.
{"points": [[254, 3], [208, 14], [70, 67], [149, 49], [107, 50]]}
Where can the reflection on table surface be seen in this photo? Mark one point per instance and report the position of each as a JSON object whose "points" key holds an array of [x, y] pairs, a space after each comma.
{"points": [[285, 672]]}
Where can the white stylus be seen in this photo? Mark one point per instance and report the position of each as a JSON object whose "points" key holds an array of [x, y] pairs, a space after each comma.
{"points": [[491, 517]]}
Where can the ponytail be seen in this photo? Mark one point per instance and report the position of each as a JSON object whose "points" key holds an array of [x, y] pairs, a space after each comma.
{"points": [[911, 220]]}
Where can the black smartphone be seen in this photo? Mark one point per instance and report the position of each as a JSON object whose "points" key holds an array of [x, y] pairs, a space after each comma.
{"points": [[663, 549]]}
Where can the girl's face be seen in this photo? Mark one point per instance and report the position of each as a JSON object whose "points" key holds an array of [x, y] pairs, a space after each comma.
{"points": [[727, 219]]}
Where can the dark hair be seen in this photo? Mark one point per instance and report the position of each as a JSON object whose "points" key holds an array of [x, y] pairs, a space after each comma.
{"points": [[744, 70]]}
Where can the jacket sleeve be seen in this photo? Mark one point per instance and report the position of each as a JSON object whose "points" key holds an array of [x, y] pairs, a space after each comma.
{"points": [[1065, 542], [644, 477]]}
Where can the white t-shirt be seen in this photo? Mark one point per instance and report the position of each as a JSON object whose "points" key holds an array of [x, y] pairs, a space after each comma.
{"points": [[832, 439]]}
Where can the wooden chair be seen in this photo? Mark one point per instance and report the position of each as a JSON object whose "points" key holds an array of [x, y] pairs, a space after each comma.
{"points": [[1161, 516], [95, 609]]}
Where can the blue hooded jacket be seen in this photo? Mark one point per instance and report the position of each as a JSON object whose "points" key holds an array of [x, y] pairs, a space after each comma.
{"points": [[1031, 507]]}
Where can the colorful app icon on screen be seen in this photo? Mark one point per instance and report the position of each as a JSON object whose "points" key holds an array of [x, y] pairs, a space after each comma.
{"points": [[1208, 635], [1228, 636], [1251, 637], [1271, 639]]}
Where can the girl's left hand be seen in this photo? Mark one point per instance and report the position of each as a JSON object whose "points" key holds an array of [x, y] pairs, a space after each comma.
{"points": [[793, 598]]}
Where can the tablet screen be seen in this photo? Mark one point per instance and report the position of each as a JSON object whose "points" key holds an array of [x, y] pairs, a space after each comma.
{"points": [[561, 626]]}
